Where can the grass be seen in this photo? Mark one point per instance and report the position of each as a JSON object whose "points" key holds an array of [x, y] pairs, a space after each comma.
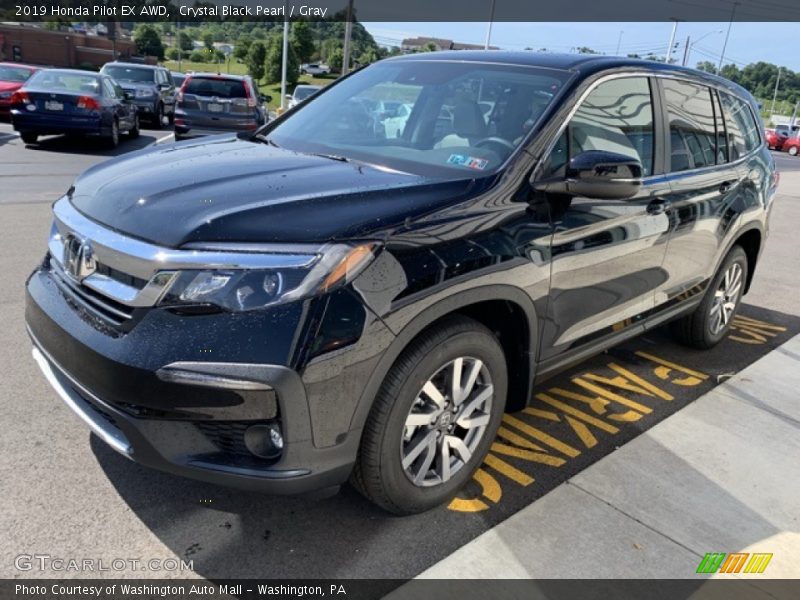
{"points": [[237, 68]]}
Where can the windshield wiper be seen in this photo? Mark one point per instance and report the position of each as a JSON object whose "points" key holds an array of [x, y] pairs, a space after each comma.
{"points": [[337, 157], [262, 138]]}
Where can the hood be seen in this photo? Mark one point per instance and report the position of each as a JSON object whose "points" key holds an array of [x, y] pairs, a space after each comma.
{"points": [[223, 189], [131, 86]]}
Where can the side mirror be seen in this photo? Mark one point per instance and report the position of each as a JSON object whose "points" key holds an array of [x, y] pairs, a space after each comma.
{"points": [[598, 174], [289, 96], [127, 95], [266, 98], [164, 86]]}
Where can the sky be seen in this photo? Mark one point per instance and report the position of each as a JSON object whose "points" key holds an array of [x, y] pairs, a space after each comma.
{"points": [[748, 42]]}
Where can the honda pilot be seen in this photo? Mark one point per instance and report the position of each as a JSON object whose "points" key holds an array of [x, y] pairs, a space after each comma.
{"points": [[315, 302]]}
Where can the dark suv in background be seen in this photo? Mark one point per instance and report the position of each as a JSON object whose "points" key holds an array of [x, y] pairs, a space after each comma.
{"points": [[151, 88], [315, 301], [209, 104]]}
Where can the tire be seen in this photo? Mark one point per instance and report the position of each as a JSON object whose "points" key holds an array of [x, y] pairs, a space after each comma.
{"points": [[701, 329], [793, 150], [29, 138], [158, 117], [388, 471], [112, 140], [134, 131]]}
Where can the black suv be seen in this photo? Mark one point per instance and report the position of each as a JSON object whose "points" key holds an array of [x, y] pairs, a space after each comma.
{"points": [[287, 309], [151, 88]]}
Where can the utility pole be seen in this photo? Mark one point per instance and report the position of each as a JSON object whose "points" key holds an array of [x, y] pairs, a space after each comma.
{"points": [[348, 31], [686, 51], [489, 28], [775, 93], [727, 35], [619, 41], [285, 57], [671, 41]]}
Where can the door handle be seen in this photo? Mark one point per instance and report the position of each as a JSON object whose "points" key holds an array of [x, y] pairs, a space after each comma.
{"points": [[659, 206]]}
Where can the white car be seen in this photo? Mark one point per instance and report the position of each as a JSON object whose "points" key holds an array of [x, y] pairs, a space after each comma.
{"points": [[301, 92], [315, 69], [394, 125]]}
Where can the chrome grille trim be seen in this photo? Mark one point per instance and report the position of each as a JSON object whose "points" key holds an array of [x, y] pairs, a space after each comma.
{"points": [[156, 265]]}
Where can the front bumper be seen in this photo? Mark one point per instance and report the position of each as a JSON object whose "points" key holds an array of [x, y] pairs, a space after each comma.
{"points": [[163, 422]]}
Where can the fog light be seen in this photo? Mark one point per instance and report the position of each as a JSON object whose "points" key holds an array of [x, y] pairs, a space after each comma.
{"points": [[265, 441]]}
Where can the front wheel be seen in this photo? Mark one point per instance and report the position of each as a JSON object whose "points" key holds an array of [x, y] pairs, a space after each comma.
{"points": [[112, 140], [712, 319], [793, 150], [134, 131], [434, 418]]}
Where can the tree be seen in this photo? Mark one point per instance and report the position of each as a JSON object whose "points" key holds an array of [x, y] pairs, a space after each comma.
{"points": [[368, 57], [148, 42], [208, 40], [274, 60], [302, 41], [173, 53], [256, 57], [242, 47], [706, 66], [335, 59], [200, 56], [185, 42]]}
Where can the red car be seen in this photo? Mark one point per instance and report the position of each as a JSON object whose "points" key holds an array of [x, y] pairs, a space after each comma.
{"points": [[774, 139], [791, 145], [12, 77]]}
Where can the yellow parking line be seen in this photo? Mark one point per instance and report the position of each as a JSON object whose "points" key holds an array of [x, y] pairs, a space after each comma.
{"points": [[501, 466], [541, 436]]}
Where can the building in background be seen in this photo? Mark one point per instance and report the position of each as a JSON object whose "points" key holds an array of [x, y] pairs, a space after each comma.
{"points": [[26, 43], [419, 43]]}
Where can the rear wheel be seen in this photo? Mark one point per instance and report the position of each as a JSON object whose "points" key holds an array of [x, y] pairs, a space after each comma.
{"points": [[29, 138], [434, 419], [112, 140], [712, 319], [133, 132]]}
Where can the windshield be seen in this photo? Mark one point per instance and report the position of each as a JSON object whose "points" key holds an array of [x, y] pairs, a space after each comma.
{"points": [[16, 74], [302, 92], [215, 87], [132, 74], [65, 81], [426, 117]]}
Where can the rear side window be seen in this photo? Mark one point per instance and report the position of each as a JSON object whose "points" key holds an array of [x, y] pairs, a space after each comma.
{"points": [[743, 136], [617, 116], [692, 130], [219, 88]]}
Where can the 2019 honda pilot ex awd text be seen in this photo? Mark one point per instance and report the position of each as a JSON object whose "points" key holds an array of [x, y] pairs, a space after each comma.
{"points": [[315, 302]]}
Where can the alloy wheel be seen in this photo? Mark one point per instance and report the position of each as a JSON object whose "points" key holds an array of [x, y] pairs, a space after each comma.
{"points": [[447, 421], [725, 298]]}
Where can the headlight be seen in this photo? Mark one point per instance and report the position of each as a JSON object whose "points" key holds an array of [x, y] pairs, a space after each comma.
{"points": [[144, 93], [249, 289]]}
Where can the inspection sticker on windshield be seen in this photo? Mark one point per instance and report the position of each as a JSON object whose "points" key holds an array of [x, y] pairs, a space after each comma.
{"points": [[470, 162]]}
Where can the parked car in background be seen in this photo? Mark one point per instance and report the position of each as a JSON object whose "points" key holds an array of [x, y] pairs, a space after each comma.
{"points": [[208, 104], [314, 302], [178, 79], [301, 92], [786, 131], [791, 145], [72, 102], [315, 69], [12, 77], [394, 125], [774, 139], [151, 88]]}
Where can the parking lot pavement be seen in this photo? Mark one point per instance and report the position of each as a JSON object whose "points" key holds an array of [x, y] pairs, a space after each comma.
{"points": [[68, 495]]}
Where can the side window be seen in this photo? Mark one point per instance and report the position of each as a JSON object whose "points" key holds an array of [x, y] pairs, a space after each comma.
{"points": [[743, 135], [691, 125], [617, 116]]}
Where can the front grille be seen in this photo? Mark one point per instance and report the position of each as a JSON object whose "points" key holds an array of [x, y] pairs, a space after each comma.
{"points": [[101, 306]]}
